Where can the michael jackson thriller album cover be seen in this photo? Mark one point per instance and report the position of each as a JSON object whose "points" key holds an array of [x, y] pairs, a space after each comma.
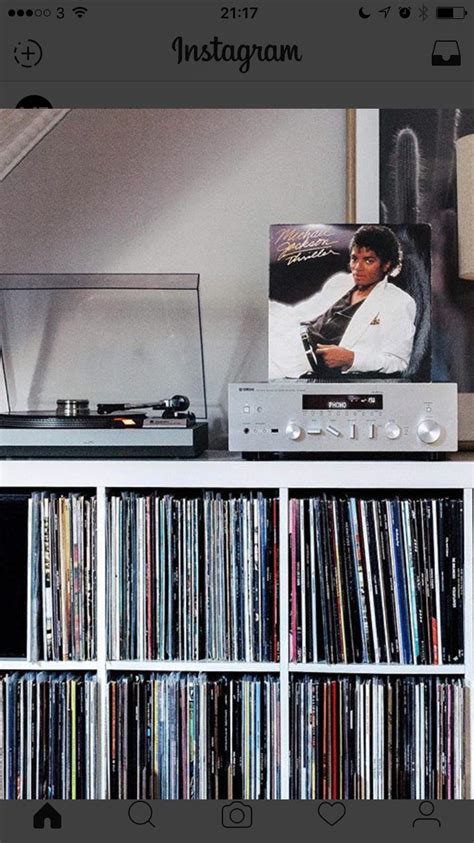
{"points": [[350, 301]]}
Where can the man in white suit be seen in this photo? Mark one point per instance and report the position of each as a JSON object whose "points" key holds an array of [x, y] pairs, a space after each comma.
{"points": [[357, 324]]}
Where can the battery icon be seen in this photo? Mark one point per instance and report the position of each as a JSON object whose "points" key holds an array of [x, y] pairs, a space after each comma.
{"points": [[451, 12]]}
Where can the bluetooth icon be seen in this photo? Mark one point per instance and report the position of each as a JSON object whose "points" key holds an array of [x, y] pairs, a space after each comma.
{"points": [[423, 12]]}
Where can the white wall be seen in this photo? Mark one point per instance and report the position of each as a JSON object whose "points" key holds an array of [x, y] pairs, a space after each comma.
{"points": [[179, 191]]}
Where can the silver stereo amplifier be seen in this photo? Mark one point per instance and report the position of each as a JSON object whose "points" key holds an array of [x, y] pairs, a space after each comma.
{"points": [[298, 416]]}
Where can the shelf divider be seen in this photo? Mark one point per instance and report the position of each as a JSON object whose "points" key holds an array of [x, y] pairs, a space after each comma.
{"points": [[101, 643], [468, 605], [284, 646]]}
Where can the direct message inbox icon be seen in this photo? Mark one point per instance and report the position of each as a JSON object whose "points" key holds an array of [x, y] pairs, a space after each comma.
{"points": [[446, 54]]}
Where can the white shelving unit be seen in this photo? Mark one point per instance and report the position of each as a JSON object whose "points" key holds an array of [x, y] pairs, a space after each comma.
{"points": [[219, 471]]}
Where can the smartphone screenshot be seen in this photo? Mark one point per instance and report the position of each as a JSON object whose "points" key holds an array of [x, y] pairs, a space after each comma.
{"points": [[236, 421]]}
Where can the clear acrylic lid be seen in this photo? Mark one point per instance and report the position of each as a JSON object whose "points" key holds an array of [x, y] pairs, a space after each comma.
{"points": [[107, 338]]}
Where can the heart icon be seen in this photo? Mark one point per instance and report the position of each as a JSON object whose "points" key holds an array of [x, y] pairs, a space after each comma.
{"points": [[331, 812]]}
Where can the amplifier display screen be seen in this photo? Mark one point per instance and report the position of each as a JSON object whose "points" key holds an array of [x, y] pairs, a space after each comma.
{"points": [[343, 402]]}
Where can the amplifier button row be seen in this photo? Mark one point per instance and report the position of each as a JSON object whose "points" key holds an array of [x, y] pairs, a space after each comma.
{"points": [[392, 431], [428, 431]]}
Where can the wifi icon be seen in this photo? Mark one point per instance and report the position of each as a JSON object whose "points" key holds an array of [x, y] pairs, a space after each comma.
{"points": [[80, 11]]}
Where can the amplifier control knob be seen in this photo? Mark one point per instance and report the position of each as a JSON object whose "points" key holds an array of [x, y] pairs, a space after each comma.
{"points": [[392, 430], [293, 431], [429, 431]]}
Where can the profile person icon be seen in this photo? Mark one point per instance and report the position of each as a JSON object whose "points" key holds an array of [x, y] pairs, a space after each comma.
{"points": [[426, 809], [34, 101]]}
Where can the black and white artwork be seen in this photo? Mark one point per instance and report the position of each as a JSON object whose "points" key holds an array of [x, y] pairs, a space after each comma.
{"points": [[418, 184]]}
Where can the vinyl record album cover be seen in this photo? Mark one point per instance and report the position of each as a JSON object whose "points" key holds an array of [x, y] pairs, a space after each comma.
{"points": [[350, 302]]}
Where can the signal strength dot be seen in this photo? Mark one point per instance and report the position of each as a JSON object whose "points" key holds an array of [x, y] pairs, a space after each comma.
{"points": [[80, 11]]}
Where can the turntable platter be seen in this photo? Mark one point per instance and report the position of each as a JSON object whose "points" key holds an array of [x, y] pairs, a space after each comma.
{"points": [[50, 420]]}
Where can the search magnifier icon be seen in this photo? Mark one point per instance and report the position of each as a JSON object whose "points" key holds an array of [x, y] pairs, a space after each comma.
{"points": [[141, 813]]}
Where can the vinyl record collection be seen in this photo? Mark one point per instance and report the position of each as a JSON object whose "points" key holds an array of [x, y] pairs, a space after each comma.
{"points": [[193, 577], [62, 557], [48, 736], [376, 580], [377, 738], [193, 736]]}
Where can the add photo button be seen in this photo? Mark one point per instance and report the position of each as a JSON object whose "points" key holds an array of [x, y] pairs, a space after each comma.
{"points": [[28, 53]]}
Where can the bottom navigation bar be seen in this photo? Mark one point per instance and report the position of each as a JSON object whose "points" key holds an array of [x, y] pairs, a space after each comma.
{"points": [[237, 821]]}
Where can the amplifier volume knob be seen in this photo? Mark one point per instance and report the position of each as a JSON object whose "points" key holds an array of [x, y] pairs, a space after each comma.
{"points": [[392, 430], [429, 431], [293, 431]]}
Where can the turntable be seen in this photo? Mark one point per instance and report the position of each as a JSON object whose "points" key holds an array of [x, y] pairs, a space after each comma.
{"points": [[106, 337]]}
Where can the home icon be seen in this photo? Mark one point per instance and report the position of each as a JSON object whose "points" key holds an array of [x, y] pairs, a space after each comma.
{"points": [[47, 814]]}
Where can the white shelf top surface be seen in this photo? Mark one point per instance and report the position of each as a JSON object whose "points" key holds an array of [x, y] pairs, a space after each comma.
{"points": [[127, 666], [220, 469]]}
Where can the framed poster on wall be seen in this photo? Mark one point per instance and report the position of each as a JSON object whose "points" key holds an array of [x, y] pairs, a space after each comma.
{"points": [[405, 171]]}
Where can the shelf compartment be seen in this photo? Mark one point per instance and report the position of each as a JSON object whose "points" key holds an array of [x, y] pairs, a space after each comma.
{"points": [[49, 735], [193, 576], [377, 577], [227, 746], [13, 574], [377, 737]]}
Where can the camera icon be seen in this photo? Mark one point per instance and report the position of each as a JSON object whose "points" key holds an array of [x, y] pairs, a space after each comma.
{"points": [[237, 815]]}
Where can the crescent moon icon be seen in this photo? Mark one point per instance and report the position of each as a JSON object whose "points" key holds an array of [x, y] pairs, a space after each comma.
{"points": [[362, 14]]}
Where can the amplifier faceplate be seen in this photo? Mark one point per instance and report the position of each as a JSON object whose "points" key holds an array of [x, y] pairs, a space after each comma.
{"points": [[295, 416]]}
